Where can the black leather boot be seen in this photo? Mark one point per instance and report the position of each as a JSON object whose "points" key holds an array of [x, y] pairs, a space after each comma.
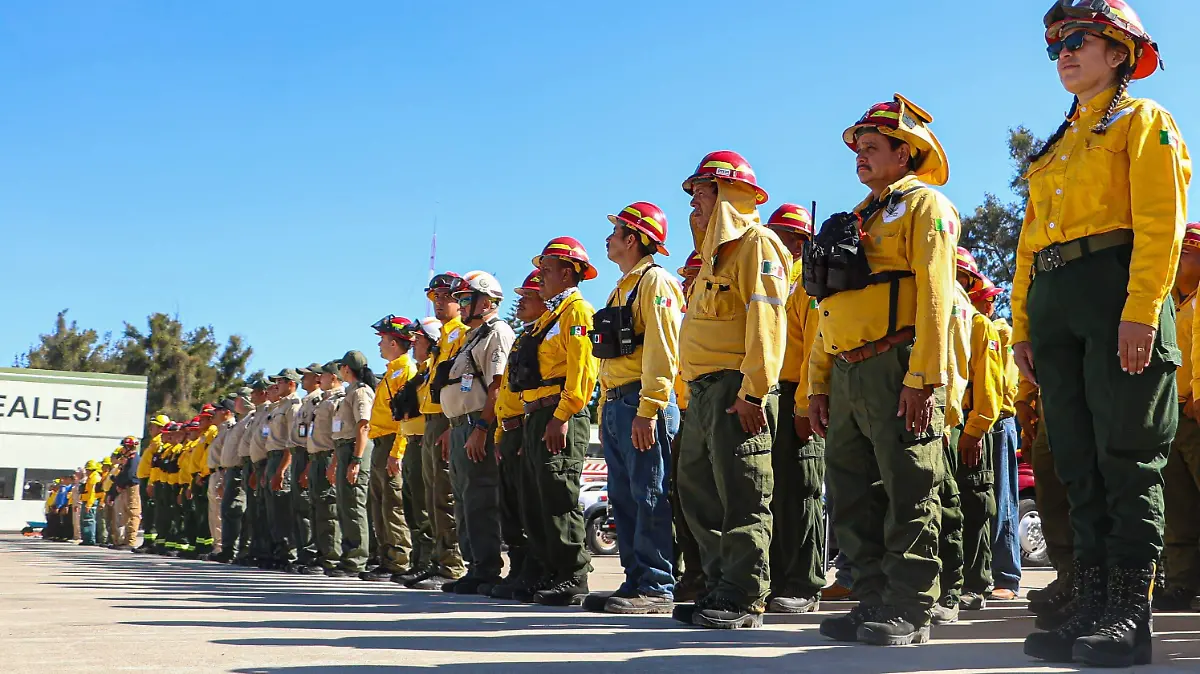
{"points": [[1086, 609], [1123, 636]]}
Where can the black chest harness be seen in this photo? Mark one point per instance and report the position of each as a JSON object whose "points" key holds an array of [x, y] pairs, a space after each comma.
{"points": [[612, 327], [524, 370], [441, 376]]}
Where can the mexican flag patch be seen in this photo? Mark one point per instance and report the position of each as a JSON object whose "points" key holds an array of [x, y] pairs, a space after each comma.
{"points": [[812, 303], [1165, 137], [660, 301], [994, 345], [577, 331], [770, 268], [948, 226]]}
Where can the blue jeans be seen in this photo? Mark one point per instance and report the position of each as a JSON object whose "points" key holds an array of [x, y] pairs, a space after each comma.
{"points": [[637, 492], [87, 525], [1006, 555]]}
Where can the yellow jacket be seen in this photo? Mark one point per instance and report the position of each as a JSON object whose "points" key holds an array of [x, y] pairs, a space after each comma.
{"points": [[566, 352], [1141, 154], [200, 454], [454, 335], [184, 476], [1012, 376], [920, 234], [395, 376], [656, 316], [958, 362], [416, 425], [986, 393], [91, 492], [735, 318], [1027, 393], [682, 394], [156, 473], [508, 403], [802, 325], [143, 469]]}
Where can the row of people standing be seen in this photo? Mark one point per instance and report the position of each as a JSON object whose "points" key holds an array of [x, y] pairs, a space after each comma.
{"points": [[100, 504]]}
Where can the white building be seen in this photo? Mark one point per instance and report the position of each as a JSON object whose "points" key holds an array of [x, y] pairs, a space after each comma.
{"points": [[51, 423]]}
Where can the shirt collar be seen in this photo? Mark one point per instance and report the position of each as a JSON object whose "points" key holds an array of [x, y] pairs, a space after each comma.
{"points": [[1094, 108], [639, 268], [555, 302]]}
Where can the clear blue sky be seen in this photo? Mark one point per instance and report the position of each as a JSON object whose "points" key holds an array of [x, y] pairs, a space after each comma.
{"points": [[274, 168]]}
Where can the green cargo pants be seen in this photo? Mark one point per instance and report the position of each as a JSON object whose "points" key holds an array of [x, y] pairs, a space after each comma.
{"points": [[883, 482], [416, 507], [245, 546], [476, 503], [162, 516], [279, 510], [556, 528], [439, 499], [202, 535], [687, 553], [978, 498], [327, 530], [302, 513], [352, 507], [386, 505], [233, 511], [512, 528], [1182, 492], [798, 532], [263, 543], [149, 520], [725, 487], [950, 535], [1054, 508], [102, 523], [1110, 431]]}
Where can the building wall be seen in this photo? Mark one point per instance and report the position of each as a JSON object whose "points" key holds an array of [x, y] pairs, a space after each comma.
{"points": [[51, 423]]}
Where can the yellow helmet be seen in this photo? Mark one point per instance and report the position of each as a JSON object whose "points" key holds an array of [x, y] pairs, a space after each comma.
{"points": [[91, 465], [106, 462]]}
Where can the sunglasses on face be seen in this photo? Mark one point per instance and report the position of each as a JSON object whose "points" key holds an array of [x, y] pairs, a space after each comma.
{"points": [[464, 300], [1072, 43]]}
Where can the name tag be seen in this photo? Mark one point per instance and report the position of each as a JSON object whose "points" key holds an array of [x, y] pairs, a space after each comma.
{"points": [[337, 425], [266, 432], [467, 381], [303, 430]]}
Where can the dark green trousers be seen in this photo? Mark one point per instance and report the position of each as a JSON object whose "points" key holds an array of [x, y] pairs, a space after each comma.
{"points": [[188, 519], [439, 499], [148, 518], [201, 534], [476, 503], [883, 482], [798, 532], [102, 524], [978, 498], [233, 511], [416, 508], [725, 487], [249, 512], [352, 507], [687, 551], [1182, 492], [950, 535], [1110, 431], [511, 527], [327, 530], [302, 513], [279, 510], [385, 503], [262, 546], [556, 528], [1054, 508], [162, 515]]}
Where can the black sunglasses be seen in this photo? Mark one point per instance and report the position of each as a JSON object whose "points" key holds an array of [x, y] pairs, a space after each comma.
{"points": [[1072, 43]]}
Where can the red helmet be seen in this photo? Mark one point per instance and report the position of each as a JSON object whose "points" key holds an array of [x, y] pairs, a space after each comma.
{"points": [[966, 262], [129, 441], [1114, 19], [645, 218], [396, 326], [729, 165], [447, 280], [692, 266], [532, 284], [793, 217], [985, 291], [569, 249]]}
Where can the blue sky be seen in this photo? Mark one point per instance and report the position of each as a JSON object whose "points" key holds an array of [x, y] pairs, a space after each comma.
{"points": [[274, 168]]}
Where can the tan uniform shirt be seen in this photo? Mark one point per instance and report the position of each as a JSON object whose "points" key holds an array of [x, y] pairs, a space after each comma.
{"points": [[260, 433], [305, 417], [321, 437], [249, 425], [355, 408], [478, 366]]}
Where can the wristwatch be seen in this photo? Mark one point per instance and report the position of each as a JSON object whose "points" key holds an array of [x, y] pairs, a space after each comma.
{"points": [[482, 424], [355, 459]]}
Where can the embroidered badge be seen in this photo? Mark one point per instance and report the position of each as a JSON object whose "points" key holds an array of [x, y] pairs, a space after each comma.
{"points": [[948, 226], [578, 331], [895, 212], [660, 301], [1165, 137], [770, 268], [994, 345]]}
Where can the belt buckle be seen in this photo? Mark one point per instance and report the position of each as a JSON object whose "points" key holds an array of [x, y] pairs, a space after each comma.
{"points": [[1050, 258]]}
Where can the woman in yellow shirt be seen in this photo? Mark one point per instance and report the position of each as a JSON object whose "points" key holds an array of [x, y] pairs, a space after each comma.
{"points": [[1095, 265]]}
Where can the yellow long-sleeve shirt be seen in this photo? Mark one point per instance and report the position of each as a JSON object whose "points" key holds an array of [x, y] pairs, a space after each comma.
{"points": [[735, 318], [986, 394], [91, 488], [156, 473], [1185, 310], [566, 352], [1012, 376], [395, 376], [508, 403], [184, 476], [958, 362], [656, 316], [200, 461], [454, 335], [803, 320], [1135, 176], [919, 234], [416, 425], [143, 469]]}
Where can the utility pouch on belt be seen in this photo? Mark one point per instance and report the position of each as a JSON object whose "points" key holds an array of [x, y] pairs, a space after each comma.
{"points": [[406, 404], [612, 327]]}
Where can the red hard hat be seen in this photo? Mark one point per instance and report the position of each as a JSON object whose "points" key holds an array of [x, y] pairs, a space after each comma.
{"points": [[793, 217], [532, 284], [986, 291], [966, 262], [1112, 18], [646, 218], [1191, 235], [569, 249], [692, 266], [446, 280], [729, 165]]}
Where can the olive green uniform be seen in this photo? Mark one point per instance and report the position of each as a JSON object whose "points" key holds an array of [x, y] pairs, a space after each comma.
{"points": [[415, 501], [439, 499], [551, 483], [1054, 508], [798, 534], [1182, 492]]}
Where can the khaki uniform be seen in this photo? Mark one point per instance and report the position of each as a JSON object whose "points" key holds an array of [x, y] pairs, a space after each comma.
{"points": [[352, 498], [302, 506], [233, 485], [327, 530], [282, 437]]}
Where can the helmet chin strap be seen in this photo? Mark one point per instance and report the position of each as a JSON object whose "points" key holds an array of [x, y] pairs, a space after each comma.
{"points": [[475, 317]]}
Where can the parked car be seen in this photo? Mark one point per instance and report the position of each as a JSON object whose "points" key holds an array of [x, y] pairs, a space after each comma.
{"points": [[1034, 551], [601, 531]]}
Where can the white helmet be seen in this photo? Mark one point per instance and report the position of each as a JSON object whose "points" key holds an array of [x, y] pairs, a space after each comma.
{"points": [[431, 328], [483, 283]]}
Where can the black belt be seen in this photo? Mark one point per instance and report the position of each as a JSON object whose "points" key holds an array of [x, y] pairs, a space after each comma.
{"points": [[464, 419], [1061, 254], [622, 391]]}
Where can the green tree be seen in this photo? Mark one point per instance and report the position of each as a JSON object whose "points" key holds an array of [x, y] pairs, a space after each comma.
{"points": [[992, 231], [68, 348], [511, 318]]}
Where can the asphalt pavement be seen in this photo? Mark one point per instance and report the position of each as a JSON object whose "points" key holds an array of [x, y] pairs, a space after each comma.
{"points": [[65, 607]]}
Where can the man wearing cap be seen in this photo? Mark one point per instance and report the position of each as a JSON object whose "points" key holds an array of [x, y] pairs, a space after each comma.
{"points": [[247, 548], [730, 351], [517, 506], [154, 431], [414, 496], [223, 422], [327, 531], [878, 373], [302, 505], [469, 402], [282, 437], [798, 457], [555, 373], [636, 339], [385, 496], [262, 546], [446, 563], [232, 492]]}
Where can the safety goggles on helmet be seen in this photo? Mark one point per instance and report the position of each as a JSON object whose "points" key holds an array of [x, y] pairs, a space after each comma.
{"points": [[394, 326]]}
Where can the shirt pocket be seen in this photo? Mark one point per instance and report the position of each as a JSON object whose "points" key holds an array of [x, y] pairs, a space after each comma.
{"points": [[717, 300]]}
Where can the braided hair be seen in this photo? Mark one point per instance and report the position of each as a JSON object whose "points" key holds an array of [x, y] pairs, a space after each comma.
{"points": [[1124, 75], [1057, 135]]}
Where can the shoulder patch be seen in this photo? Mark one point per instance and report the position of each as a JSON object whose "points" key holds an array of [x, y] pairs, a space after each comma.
{"points": [[578, 331], [774, 269]]}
